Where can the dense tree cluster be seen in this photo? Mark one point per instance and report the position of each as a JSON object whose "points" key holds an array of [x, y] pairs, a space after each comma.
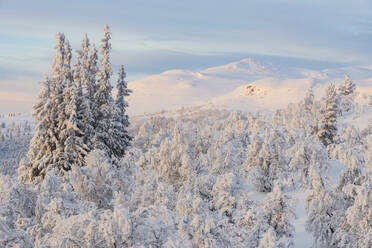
{"points": [[187, 181], [76, 111]]}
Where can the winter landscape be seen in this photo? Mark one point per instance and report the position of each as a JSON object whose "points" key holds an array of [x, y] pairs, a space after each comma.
{"points": [[256, 151]]}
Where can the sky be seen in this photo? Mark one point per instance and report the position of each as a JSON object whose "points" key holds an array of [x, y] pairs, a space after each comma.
{"points": [[150, 36]]}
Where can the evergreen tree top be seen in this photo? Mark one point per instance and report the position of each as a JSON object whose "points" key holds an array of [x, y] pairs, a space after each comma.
{"points": [[348, 87], [60, 56], [85, 43], [68, 53], [122, 84], [105, 41]]}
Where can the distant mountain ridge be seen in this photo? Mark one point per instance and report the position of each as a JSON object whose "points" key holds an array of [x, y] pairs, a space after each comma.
{"points": [[247, 84]]}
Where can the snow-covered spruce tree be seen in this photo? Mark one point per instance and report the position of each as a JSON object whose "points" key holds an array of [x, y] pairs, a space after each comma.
{"points": [[328, 129], [77, 78], [43, 141], [85, 88], [82, 105], [90, 64], [92, 73], [347, 94], [91, 89], [74, 148], [120, 120], [62, 76], [103, 100], [47, 151], [348, 87]]}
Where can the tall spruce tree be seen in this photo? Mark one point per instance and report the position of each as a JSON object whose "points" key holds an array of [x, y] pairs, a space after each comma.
{"points": [[85, 94], [46, 146], [103, 101], [63, 96], [121, 121], [93, 71], [328, 129], [77, 78], [71, 133], [61, 75]]}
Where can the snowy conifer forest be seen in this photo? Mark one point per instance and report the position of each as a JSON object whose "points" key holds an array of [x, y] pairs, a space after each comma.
{"points": [[85, 173]]}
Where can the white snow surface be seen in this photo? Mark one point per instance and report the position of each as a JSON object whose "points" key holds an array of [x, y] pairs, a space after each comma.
{"points": [[248, 85]]}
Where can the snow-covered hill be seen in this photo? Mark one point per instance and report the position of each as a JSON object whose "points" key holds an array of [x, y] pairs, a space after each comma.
{"points": [[245, 85]]}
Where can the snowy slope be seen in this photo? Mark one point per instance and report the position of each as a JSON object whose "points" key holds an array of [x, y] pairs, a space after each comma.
{"points": [[230, 85]]}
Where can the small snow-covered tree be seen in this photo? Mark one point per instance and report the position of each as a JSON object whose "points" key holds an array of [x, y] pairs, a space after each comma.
{"points": [[266, 160], [309, 99], [348, 87], [351, 175], [306, 153], [277, 212], [347, 95], [268, 240], [328, 128]]}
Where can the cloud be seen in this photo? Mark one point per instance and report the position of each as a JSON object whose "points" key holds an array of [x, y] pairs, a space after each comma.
{"points": [[153, 36], [320, 29]]}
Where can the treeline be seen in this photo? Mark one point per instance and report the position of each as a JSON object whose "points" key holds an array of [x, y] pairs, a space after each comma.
{"points": [[10, 115], [14, 143]]}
